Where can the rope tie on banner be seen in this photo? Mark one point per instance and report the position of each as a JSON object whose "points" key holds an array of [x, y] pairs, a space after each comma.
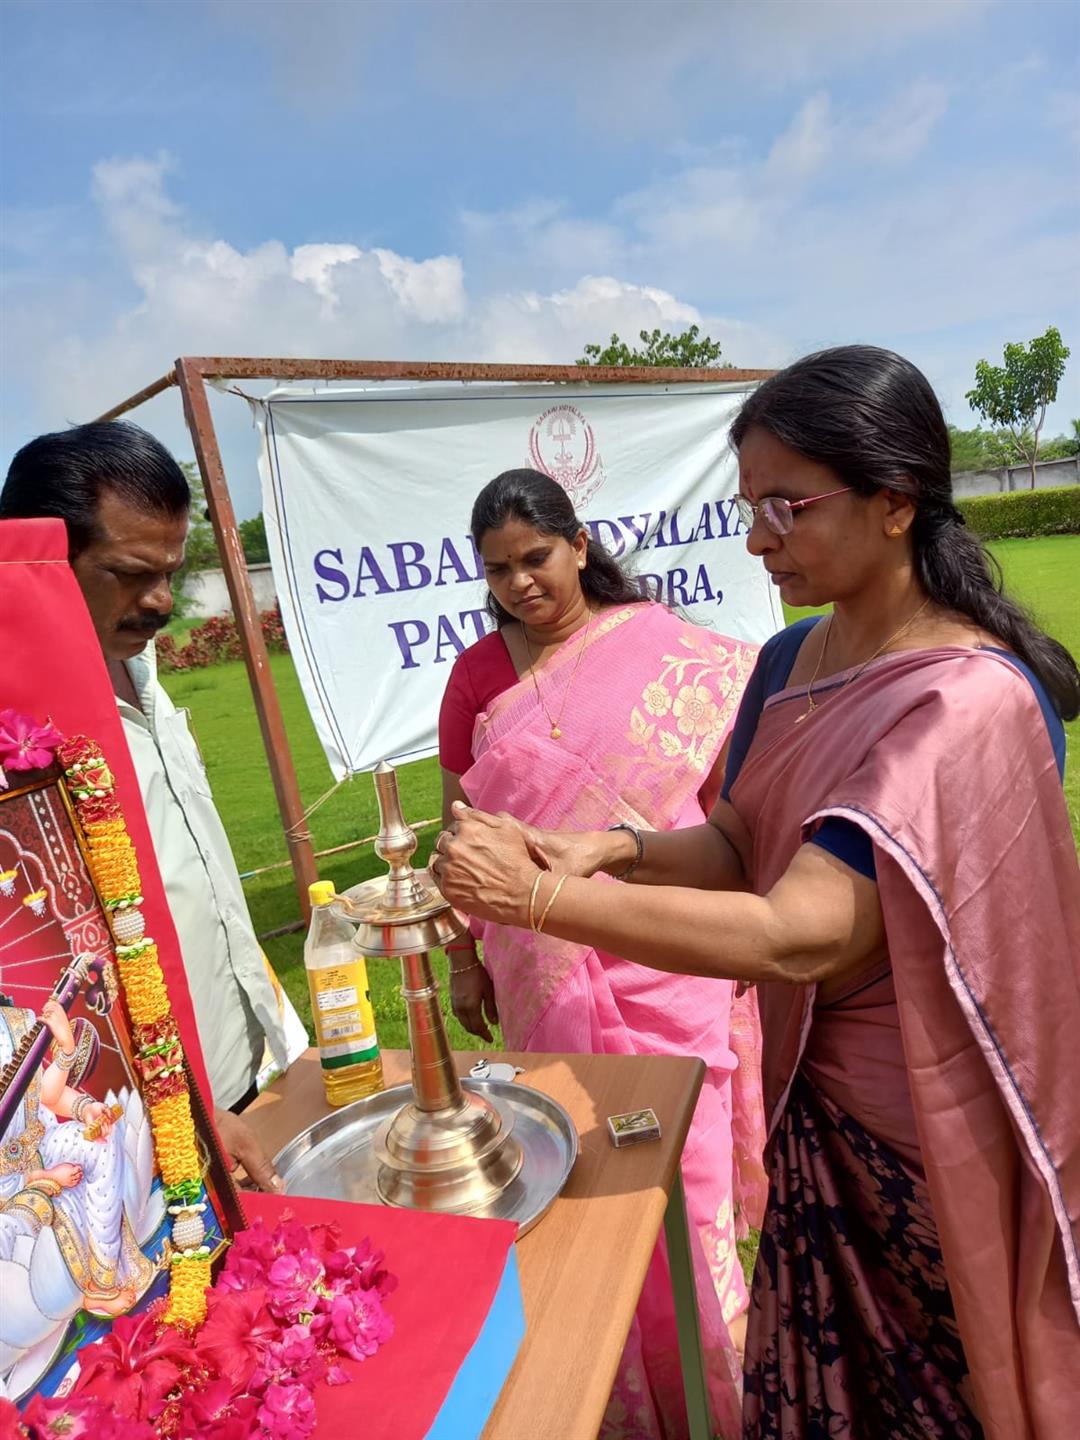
{"points": [[299, 834], [235, 390], [416, 825]]}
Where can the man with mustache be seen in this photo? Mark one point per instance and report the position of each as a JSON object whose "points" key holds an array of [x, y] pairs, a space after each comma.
{"points": [[125, 503]]}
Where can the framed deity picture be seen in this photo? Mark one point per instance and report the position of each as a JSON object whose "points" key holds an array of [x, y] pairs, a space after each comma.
{"points": [[87, 1231]]}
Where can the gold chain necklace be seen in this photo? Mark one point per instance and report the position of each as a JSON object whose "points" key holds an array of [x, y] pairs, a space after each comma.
{"points": [[811, 703], [554, 721]]}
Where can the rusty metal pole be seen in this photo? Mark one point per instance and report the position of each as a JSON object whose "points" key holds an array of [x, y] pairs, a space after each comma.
{"points": [[201, 424], [140, 397]]}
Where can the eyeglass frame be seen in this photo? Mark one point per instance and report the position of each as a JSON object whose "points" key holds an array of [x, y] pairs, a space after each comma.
{"points": [[748, 510]]}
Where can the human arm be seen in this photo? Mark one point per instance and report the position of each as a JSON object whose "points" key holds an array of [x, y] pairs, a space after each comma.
{"points": [[820, 920], [242, 1147], [472, 992], [709, 793], [713, 856]]}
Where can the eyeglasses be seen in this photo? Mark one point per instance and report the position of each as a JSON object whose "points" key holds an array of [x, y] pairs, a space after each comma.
{"points": [[778, 513]]}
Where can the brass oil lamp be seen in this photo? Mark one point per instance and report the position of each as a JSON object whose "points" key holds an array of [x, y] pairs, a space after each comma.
{"points": [[448, 1148]]}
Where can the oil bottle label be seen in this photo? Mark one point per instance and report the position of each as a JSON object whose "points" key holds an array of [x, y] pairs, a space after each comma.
{"points": [[341, 1008]]}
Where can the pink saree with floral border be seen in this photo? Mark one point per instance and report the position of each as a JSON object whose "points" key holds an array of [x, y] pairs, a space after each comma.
{"points": [[646, 715], [919, 1273]]}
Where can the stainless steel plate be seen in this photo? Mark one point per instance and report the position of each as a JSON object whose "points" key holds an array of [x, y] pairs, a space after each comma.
{"points": [[333, 1160]]}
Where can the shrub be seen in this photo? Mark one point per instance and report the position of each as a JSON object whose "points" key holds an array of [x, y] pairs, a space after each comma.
{"points": [[216, 641], [1024, 513]]}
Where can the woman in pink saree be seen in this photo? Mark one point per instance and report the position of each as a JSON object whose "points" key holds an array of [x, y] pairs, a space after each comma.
{"points": [[590, 707], [891, 864]]}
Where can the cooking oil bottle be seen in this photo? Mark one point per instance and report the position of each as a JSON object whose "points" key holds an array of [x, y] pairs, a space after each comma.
{"points": [[340, 1003]]}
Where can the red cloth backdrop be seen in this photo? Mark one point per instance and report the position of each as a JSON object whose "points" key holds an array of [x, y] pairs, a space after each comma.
{"points": [[51, 667], [448, 1269]]}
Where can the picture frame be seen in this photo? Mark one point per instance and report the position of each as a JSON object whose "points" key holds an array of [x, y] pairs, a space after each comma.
{"points": [[86, 1234]]}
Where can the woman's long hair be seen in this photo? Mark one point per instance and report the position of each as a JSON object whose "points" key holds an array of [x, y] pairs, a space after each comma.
{"points": [[872, 417], [535, 499]]}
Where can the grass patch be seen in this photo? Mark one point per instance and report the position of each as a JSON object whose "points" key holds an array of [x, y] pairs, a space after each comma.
{"points": [[1040, 572], [181, 626], [227, 730]]}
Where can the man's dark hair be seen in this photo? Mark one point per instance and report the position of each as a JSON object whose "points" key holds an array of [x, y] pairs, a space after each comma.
{"points": [[63, 476]]}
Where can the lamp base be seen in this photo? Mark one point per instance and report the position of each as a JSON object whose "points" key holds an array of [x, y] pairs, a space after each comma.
{"points": [[459, 1158]]}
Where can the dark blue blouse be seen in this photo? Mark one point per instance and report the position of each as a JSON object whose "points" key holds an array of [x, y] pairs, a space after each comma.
{"points": [[842, 838]]}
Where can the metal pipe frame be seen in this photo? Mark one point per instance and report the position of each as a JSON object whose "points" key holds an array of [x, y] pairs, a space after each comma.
{"points": [[190, 374]]}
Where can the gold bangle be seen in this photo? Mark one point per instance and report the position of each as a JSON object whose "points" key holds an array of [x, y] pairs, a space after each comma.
{"points": [[532, 899], [554, 896], [462, 969]]}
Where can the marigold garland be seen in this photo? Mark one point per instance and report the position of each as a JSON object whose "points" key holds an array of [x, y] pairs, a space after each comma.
{"points": [[189, 1280], [144, 985], [160, 1056]]}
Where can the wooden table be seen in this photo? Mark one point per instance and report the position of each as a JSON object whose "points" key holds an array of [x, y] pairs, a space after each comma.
{"points": [[583, 1266]]}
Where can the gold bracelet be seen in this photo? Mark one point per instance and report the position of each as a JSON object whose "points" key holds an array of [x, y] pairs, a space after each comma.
{"points": [[532, 899], [554, 896], [463, 969]]}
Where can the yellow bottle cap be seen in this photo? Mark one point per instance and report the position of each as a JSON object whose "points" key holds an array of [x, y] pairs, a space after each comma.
{"points": [[321, 892]]}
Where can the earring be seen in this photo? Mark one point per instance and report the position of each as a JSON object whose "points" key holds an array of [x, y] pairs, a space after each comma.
{"points": [[896, 529], [581, 564]]}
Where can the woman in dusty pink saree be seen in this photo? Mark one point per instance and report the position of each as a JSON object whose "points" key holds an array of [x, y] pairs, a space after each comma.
{"points": [[909, 910], [590, 707]]}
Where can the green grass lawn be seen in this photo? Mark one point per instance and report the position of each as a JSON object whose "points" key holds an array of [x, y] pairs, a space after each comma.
{"points": [[1042, 573]]}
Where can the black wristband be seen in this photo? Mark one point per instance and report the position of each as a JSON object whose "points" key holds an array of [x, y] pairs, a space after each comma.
{"points": [[631, 830]]}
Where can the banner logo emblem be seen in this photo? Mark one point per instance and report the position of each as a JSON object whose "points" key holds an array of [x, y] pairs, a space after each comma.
{"points": [[562, 444]]}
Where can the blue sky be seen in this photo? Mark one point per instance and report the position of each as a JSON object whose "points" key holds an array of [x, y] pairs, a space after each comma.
{"points": [[508, 181]]}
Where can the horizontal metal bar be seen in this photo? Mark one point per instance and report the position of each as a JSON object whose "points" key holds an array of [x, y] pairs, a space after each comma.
{"points": [[225, 367], [140, 397]]}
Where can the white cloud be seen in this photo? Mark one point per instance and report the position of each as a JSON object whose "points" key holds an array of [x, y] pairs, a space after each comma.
{"points": [[314, 265], [432, 291], [804, 147], [190, 293], [830, 233], [903, 129]]}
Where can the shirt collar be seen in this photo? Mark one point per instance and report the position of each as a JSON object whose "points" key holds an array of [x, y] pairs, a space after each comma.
{"points": [[142, 668]]}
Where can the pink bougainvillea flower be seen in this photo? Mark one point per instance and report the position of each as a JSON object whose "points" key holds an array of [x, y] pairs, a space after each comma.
{"points": [[292, 1236], [250, 1257], [292, 1285], [235, 1334], [24, 744], [134, 1367], [293, 1357], [361, 1265], [359, 1324], [287, 1412]]}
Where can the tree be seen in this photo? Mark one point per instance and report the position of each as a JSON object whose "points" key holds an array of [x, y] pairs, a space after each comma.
{"points": [[1015, 396], [969, 449], [200, 551], [253, 539], [685, 351], [1062, 447]]}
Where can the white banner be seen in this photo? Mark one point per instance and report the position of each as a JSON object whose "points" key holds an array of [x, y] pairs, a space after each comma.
{"points": [[367, 494]]}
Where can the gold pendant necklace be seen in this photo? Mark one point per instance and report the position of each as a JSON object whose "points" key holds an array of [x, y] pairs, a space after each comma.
{"points": [[555, 721], [811, 703]]}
